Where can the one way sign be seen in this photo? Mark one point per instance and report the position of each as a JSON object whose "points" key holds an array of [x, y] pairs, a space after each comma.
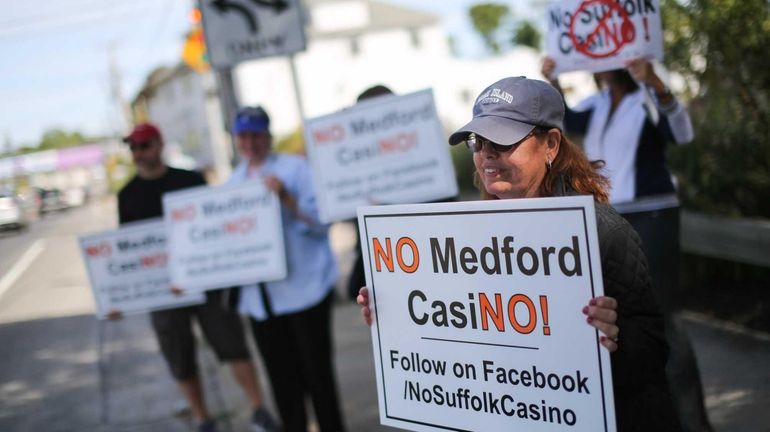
{"points": [[239, 30]]}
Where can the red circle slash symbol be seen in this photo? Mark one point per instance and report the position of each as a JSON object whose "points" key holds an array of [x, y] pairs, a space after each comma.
{"points": [[608, 37]]}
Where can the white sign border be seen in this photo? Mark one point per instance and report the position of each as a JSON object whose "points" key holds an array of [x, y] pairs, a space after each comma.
{"points": [[584, 204]]}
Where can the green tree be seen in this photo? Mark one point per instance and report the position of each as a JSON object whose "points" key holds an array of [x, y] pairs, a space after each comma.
{"points": [[293, 143], [526, 34], [721, 48], [487, 19], [57, 138]]}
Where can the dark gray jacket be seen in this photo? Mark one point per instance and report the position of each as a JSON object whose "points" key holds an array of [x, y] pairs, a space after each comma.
{"points": [[642, 398]]}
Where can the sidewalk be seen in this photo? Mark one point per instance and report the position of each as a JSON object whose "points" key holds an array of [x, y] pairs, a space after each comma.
{"points": [[734, 365]]}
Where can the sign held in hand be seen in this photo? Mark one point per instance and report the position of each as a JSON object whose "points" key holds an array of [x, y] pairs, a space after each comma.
{"points": [[128, 270], [600, 35], [478, 321], [224, 236], [387, 150]]}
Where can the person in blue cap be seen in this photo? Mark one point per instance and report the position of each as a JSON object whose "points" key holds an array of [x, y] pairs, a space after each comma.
{"points": [[291, 318]]}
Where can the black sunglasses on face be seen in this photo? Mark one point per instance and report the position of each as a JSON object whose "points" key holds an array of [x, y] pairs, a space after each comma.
{"points": [[140, 146], [475, 143]]}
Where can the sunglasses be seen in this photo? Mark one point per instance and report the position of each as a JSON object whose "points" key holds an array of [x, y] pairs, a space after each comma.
{"points": [[475, 143], [135, 147]]}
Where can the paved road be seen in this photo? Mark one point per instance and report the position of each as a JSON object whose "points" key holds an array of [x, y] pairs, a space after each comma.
{"points": [[51, 379]]}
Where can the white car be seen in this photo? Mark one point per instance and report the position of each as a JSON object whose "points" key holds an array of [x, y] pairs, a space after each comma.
{"points": [[12, 213]]}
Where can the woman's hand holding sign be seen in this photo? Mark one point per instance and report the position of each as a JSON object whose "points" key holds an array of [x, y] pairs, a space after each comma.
{"points": [[363, 300], [601, 314]]}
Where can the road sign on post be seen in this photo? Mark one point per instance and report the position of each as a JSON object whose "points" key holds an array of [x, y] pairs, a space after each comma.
{"points": [[239, 30]]}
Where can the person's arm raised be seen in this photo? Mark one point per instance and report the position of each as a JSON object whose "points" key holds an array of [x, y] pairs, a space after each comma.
{"points": [[548, 69]]}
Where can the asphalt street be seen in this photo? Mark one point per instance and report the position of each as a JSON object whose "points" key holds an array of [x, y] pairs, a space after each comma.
{"points": [[63, 370]]}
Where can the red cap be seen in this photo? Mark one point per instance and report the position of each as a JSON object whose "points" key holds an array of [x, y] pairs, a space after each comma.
{"points": [[143, 133]]}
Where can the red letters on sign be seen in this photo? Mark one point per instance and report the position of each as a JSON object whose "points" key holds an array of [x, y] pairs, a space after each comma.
{"points": [[386, 255], [183, 213], [240, 226], [332, 134], [103, 249]]}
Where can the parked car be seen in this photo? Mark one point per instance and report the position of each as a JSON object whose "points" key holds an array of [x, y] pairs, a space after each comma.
{"points": [[12, 213], [51, 200]]}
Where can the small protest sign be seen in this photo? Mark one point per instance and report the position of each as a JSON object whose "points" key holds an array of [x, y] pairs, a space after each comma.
{"points": [[128, 271], [388, 150], [478, 322], [224, 236], [599, 35]]}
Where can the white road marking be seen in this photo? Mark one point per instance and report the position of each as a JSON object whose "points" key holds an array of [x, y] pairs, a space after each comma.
{"points": [[20, 266]]}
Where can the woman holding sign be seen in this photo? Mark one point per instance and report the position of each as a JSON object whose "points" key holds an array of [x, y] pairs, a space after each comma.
{"points": [[629, 124], [519, 151]]}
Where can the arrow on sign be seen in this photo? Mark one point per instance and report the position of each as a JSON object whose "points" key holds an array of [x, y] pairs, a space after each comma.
{"points": [[277, 5], [225, 6]]}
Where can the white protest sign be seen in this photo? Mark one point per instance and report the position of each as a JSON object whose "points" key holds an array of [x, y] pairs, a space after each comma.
{"points": [[478, 322], [128, 271], [600, 35], [239, 30], [224, 236], [388, 150]]}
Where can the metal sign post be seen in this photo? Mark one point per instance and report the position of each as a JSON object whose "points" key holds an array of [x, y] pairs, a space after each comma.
{"points": [[228, 103], [297, 92]]}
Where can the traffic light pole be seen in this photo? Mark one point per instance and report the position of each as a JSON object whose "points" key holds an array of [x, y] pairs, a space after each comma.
{"points": [[228, 101]]}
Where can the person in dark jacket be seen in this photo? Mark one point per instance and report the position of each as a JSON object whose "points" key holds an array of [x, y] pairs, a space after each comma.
{"points": [[519, 151], [630, 124], [142, 199]]}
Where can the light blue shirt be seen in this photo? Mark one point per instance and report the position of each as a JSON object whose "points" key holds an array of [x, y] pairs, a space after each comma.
{"points": [[312, 270]]}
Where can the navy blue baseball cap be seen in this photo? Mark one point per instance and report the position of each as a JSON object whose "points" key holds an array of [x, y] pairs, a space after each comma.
{"points": [[251, 119], [509, 109]]}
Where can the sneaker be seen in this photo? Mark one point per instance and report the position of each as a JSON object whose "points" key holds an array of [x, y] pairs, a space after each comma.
{"points": [[262, 421], [207, 426]]}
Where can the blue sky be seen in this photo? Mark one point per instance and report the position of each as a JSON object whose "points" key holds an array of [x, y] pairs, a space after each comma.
{"points": [[55, 56]]}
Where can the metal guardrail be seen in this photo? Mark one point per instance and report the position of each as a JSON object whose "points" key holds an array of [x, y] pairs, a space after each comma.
{"points": [[741, 240]]}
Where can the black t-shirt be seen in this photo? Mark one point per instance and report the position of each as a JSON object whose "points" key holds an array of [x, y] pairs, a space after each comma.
{"points": [[142, 199]]}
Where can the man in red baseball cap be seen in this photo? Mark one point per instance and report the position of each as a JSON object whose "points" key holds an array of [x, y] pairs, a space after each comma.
{"points": [[143, 132], [146, 146], [141, 199]]}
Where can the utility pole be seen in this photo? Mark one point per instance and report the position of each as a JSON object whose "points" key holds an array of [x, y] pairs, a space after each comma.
{"points": [[7, 144], [116, 92]]}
